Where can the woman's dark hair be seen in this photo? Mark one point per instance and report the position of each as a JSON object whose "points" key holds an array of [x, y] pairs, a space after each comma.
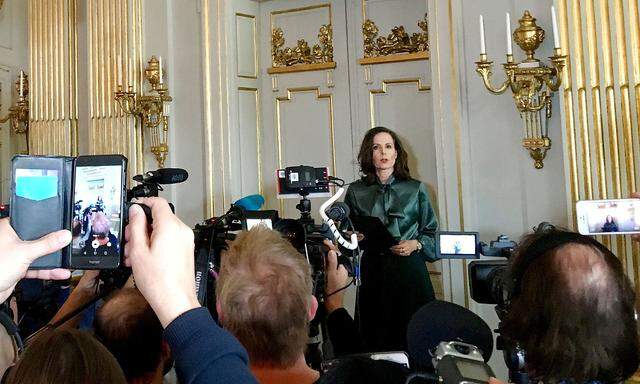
{"points": [[66, 356], [365, 156], [572, 310]]}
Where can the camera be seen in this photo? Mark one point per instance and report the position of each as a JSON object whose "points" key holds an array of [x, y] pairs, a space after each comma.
{"points": [[457, 362]]}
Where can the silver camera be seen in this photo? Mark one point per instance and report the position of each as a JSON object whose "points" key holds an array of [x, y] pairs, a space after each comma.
{"points": [[460, 363]]}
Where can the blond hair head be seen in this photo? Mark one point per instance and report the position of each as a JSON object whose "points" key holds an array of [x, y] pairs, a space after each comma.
{"points": [[264, 292]]}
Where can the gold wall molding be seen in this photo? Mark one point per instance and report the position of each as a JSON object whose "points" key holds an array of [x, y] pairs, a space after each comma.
{"points": [[396, 46], [256, 93], [600, 119], [115, 40], [302, 57], [254, 74], [53, 100], [319, 96], [383, 90]]}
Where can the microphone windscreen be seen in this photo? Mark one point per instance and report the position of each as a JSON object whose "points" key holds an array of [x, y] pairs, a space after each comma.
{"points": [[172, 175], [251, 202], [440, 321], [339, 211]]}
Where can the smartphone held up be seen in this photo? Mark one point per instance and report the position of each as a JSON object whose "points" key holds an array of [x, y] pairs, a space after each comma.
{"points": [[608, 217], [86, 195]]}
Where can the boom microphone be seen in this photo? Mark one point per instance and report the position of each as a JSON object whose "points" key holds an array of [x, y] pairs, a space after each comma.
{"points": [[440, 321], [163, 176]]}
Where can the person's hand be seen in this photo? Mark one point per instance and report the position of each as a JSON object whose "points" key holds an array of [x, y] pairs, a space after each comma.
{"points": [[17, 255], [405, 247], [359, 235], [635, 195], [337, 277], [493, 380], [162, 259], [88, 283]]}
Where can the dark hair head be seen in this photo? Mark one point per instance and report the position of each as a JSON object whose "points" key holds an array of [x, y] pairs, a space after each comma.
{"points": [[365, 156], [130, 329], [66, 356], [573, 309]]}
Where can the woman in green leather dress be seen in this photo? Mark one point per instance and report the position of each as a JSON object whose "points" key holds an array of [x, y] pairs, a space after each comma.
{"points": [[395, 281]]}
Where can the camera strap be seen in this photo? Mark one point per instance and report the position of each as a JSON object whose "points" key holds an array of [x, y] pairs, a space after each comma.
{"points": [[201, 274]]}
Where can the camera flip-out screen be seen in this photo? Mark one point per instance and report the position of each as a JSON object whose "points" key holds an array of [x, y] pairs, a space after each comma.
{"points": [[457, 245]]}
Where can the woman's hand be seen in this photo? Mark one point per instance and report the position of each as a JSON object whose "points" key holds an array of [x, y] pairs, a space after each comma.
{"points": [[405, 247]]}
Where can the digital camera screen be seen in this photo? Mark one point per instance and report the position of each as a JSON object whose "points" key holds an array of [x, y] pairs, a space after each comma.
{"points": [[97, 218], [253, 222], [457, 245], [612, 216]]}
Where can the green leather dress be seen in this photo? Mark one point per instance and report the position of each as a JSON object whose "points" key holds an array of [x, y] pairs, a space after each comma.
{"points": [[393, 287]]}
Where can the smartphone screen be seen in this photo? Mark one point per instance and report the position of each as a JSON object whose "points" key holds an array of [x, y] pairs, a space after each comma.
{"points": [[97, 213], [608, 216]]}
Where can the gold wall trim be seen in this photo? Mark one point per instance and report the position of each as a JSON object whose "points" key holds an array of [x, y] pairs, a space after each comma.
{"points": [[253, 75], [302, 57], [600, 118], [256, 92], [397, 58], [115, 38], [383, 90], [52, 65], [319, 96]]}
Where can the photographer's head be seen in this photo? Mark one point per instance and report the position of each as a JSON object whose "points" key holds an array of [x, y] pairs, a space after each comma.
{"points": [[572, 309], [264, 297], [66, 356], [131, 331]]}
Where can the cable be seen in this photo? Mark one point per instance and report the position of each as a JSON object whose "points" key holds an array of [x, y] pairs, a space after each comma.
{"points": [[341, 289], [353, 244]]}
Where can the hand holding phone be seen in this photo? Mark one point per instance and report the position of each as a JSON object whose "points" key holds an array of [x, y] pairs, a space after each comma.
{"points": [[612, 217], [17, 255]]}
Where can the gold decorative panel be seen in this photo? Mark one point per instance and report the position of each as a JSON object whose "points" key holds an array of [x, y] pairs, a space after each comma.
{"points": [[397, 46], [301, 57], [601, 105], [53, 75], [115, 39], [383, 90]]}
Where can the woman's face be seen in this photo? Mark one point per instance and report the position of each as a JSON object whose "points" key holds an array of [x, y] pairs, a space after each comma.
{"points": [[384, 151]]}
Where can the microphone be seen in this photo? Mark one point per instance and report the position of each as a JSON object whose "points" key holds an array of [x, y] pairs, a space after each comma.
{"points": [[336, 233], [163, 176], [440, 321], [251, 202], [339, 211]]}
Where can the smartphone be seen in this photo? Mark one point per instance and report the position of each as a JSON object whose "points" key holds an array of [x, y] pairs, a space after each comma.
{"points": [[99, 193], [598, 217]]}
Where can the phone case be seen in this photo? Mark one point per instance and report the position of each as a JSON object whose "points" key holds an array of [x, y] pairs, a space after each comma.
{"points": [[38, 201]]}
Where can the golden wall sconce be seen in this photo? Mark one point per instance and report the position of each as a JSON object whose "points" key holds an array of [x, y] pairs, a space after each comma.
{"points": [[149, 109], [531, 82], [18, 115]]}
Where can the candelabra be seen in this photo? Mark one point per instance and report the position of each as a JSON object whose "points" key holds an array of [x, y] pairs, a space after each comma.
{"points": [[531, 82], [150, 108], [18, 115]]}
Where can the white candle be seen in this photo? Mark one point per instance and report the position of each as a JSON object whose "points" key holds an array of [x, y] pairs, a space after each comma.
{"points": [[160, 67], [21, 83], [483, 48], [554, 22], [509, 47]]}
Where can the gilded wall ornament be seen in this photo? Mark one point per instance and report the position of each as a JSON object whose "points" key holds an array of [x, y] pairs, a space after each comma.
{"points": [[302, 53], [398, 41]]}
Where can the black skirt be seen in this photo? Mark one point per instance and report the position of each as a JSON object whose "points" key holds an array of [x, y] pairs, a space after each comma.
{"points": [[393, 289]]}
